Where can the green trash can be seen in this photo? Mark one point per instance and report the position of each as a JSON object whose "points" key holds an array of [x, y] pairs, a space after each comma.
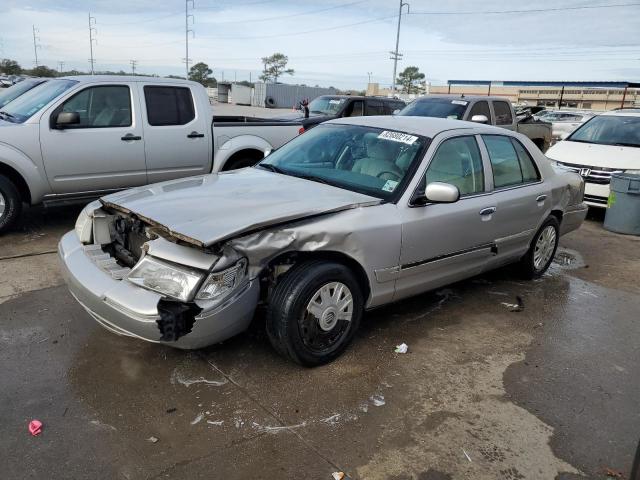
{"points": [[623, 214]]}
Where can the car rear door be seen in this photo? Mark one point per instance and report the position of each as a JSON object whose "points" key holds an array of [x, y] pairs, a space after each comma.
{"points": [[443, 243], [105, 150], [177, 133], [521, 197], [503, 114]]}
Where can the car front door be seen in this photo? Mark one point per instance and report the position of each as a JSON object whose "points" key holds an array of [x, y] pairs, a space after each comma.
{"points": [[177, 133], [521, 197], [104, 151], [443, 243]]}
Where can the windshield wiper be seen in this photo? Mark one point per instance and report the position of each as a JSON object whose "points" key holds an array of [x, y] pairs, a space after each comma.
{"points": [[272, 168], [623, 144], [7, 115], [311, 178]]}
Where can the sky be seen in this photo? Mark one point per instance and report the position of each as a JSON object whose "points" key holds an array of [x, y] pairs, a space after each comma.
{"points": [[340, 43]]}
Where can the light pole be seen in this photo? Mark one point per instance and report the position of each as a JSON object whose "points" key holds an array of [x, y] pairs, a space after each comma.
{"points": [[395, 56]]}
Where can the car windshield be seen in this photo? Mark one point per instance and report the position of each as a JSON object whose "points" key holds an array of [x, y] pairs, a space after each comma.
{"points": [[327, 105], [367, 160], [18, 89], [436, 107], [25, 106], [609, 130]]}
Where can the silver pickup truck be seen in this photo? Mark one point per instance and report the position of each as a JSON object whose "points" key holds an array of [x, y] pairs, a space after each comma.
{"points": [[82, 137], [496, 111]]}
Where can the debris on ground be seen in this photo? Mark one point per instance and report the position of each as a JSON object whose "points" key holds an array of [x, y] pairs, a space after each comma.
{"points": [[612, 473], [402, 348], [338, 475], [215, 422], [152, 440], [515, 307], [466, 454], [198, 418], [35, 427], [377, 400], [171, 410]]}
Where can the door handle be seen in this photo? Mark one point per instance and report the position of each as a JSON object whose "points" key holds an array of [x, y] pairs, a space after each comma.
{"points": [[195, 135], [130, 136], [488, 211], [541, 198]]}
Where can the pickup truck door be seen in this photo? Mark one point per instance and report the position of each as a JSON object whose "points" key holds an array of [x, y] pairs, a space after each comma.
{"points": [[481, 107], [503, 114], [177, 131], [443, 243], [522, 199], [105, 151]]}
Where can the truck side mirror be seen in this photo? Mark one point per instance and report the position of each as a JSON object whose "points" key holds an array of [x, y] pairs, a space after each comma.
{"points": [[67, 118], [480, 119]]}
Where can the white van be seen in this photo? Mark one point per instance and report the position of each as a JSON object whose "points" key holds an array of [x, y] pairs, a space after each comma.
{"points": [[606, 144]]}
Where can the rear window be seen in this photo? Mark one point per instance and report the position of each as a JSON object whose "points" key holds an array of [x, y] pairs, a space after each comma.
{"points": [[169, 105]]}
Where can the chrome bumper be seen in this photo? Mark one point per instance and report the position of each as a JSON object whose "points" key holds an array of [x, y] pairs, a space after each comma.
{"points": [[573, 218], [127, 309]]}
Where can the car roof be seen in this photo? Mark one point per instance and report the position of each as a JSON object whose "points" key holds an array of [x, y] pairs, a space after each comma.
{"points": [[124, 78], [462, 97], [423, 126], [623, 112], [362, 97]]}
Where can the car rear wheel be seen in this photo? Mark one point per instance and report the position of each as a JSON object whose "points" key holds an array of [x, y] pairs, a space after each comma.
{"points": [[314, 312], [542, 249], [10, 204]]}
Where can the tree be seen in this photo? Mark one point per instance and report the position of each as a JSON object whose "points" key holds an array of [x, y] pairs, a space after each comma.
{"points": [[275, 67], [10, 67], [411, 80], [201, 73], [43, 71]]}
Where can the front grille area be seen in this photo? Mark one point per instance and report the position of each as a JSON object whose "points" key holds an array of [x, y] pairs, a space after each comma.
{"points": [[591, 174], [595, 199], [106, 262]]}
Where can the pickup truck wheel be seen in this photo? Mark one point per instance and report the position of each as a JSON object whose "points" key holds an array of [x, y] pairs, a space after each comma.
{"points": [[10, 203], [542, 249], [314, 312]]}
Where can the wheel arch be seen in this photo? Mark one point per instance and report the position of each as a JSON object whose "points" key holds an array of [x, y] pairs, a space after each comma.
{"points": [[239, 145], [18, 180]]}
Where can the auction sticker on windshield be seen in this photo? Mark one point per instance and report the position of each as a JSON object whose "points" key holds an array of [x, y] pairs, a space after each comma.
{"points": [[390, 186], [398, 137]]}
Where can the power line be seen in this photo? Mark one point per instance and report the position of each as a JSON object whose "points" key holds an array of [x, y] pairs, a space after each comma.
{"points": [[92, 33], [532, 10], [60, 66], [133, 66]]}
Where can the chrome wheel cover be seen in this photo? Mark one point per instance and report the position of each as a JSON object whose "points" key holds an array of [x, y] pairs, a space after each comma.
{"points": [[3, 205], [544, 248]]}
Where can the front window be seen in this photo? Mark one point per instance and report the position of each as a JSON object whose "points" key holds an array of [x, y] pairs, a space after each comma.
{"points": [[327, 105], [436, 107], [27, 105], [100, 107], [18, 89], [620, 130], [372, 161]]}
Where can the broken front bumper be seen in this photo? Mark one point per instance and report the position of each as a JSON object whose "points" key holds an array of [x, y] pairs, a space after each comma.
{"points": [[127, 309]]}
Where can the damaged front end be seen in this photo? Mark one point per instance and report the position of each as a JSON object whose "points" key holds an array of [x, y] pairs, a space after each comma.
{"points": [[192, 287]]}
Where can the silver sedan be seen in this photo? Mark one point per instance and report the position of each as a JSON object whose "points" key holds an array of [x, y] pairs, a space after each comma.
{"points": [[354, 214]]}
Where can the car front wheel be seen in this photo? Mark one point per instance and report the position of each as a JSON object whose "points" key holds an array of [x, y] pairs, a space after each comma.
{"points": [[542, 249], [10, 203], [314, 312]]}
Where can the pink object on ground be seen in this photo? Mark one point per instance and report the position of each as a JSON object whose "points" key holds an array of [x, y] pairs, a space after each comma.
{"points": [[35, 427]]}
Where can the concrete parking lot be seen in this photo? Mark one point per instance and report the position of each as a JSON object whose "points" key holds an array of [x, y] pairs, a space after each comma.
{"points": [[484, 392]]}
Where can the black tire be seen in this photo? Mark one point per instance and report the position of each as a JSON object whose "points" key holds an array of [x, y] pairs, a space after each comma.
{"points": [[293, 331], [270, 102], [10, 204], [241, 163], [527, 264]]}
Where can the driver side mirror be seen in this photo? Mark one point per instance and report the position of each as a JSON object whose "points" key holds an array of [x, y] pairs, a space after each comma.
{"points": [[396, 111], [67, 118], [438, 192], [480, 119]]}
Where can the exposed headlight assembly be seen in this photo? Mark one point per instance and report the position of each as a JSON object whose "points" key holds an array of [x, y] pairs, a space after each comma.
{"points": [[168, 279], [84, 223], [219, 284]]}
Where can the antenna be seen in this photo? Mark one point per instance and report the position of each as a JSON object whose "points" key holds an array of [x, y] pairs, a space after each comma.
{"points": [[188, 30], [93, 31]]}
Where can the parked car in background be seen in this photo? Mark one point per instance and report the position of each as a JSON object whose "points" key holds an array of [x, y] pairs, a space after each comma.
{"points": [[482, 109], [81, 137], [20, 88], [563, 123], [328, 107], [606, 144], [352, 215]]}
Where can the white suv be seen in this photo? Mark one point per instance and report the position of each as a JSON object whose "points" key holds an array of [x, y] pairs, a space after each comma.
{"points": [[604, 145]]}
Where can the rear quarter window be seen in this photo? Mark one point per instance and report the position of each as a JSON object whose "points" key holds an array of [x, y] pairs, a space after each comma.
{"points": [[169, 105]]}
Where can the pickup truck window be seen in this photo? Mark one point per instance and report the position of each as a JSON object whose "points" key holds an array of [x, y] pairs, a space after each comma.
{"points": [[169, 105], [480, 108], [458, 162], [327, 105], [374, 107], [28, 104], [436, 107], [356, 109], [503, 113], [100, 107], [506, 163]]}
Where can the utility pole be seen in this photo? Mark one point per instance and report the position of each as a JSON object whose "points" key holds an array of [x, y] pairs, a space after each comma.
{"points": [[93, 31], [187, 15], [133, 66], [395, 56], [36, 45], [369, 75], [60, 66]]}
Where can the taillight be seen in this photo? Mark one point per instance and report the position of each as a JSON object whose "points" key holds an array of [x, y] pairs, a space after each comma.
{"points": [[301, 131]]}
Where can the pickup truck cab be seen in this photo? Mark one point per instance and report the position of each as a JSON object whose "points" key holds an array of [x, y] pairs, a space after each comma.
{"points": [[81, 137], [329, 107], [481, 109]]}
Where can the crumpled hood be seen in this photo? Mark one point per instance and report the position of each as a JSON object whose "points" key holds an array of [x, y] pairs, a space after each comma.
{"points": [[208, 209]]}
